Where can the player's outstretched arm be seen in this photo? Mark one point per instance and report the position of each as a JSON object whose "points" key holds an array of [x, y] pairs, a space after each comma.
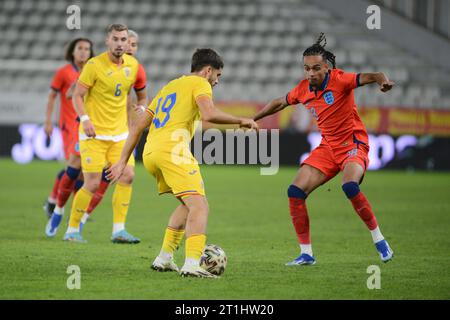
{"points": [[272, 107], [378, 77], [48, 125], [212, 114], [78, 103], [115, 171]]}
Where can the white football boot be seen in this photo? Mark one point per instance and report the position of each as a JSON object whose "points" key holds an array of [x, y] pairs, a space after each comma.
{"points": [[196, 271], [163, 265]]}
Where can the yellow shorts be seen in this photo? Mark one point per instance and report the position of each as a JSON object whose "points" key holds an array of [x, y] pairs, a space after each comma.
{"points": [[182, 179], [96, 154]]}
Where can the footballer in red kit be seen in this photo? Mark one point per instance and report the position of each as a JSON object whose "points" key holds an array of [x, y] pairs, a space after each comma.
{"points": [[77, 53], [332, 104], [62, 81], [327, 92]]}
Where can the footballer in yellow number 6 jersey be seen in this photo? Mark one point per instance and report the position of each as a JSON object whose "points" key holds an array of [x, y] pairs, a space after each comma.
{"points": [[100, 99], [172, 116]]}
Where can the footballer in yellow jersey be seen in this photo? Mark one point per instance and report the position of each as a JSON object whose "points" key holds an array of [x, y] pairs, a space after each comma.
{"points": [[171, 117], [166, 153], [100, 99], [141, 95]]}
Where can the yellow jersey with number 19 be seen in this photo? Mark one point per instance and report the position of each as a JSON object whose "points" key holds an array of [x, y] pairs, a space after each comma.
{"points": [[175, 113], [106, 100]]}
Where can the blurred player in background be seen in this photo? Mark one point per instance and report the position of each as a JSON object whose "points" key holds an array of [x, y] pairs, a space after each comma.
{"points": [[133, 47], [141, 95], [78, 52], [172, 115], [328, 94], [100, 99]]}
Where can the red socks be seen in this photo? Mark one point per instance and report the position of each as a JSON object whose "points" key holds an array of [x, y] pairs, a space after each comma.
{"points": [[66, 186], [300, 219], [360, 203], [98, 196], [54, 193], [362, 207], [299, 212]]}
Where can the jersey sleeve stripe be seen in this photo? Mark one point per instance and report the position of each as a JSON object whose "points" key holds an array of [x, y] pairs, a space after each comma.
{"points": [[139, 89], [287, 98], [358, 84], [83, 84]]}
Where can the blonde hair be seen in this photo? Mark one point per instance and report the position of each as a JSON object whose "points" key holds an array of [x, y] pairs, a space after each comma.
{"points": [[133, 34]]}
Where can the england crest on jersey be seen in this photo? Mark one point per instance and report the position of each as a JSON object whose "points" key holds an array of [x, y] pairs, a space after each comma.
{"points": [[328, 97]]}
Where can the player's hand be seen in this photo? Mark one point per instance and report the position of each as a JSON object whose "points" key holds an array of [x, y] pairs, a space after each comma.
{"points": [[114, 172], [48, 129], [88, 128], [249, 124], [139, 109], [386, 86]]}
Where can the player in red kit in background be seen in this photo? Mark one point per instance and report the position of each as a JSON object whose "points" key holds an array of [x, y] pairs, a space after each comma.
{"points": [[78, 52], [328, 94]]}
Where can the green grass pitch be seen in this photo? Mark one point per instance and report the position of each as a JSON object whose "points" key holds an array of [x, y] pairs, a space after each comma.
{"points": [[249, 219]]}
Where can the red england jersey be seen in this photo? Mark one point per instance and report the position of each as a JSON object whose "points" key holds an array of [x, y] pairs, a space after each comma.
{"points": [[141, 79], [333, 107], [62, 81]]}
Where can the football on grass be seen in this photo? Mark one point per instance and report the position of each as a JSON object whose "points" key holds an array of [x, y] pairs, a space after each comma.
{"points": [[214, 259]]}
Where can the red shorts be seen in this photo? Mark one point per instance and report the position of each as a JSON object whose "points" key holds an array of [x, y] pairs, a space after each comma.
{"points": [[70, 141], [332, 159]]}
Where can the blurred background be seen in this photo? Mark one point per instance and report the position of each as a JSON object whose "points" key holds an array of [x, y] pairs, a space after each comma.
{"points": [[261, 42]]}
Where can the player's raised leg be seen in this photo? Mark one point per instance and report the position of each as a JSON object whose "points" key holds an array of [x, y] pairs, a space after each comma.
{"points": [[308, 178], [172, 237], [65, 188], [80, 204], [120, 203], [197, 219], [352, 175]]}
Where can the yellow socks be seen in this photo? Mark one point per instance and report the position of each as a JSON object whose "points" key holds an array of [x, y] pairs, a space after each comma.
{"points": [[79, 206], [120, 203], [195, 245], [172, 239]]}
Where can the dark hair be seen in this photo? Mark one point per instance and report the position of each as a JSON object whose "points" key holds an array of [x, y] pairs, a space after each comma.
{"points": [[69, 51], [205, 57], [318, 49], [116, 27]]}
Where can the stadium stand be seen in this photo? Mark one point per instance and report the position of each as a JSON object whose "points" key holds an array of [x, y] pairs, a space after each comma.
{"points": [[261, 42]]}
